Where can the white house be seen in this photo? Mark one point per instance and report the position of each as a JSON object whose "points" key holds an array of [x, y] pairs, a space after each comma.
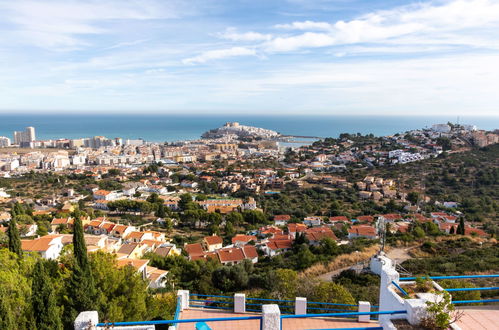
{"points": [[105, 195], [49, 246], [312, 221]]}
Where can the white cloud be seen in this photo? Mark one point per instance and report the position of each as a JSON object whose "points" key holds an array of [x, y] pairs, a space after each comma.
{"points": [[127, 44], [305, 40], [306, 25], [60, 24], [471, 23], [232, 34], [219, 54]]}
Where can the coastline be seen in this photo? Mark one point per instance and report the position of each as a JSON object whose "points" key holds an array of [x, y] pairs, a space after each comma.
{"points": [[172, 128]]}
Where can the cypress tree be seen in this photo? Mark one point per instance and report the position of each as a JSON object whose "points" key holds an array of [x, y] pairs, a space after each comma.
{"points": [[460, 227], [80, 249], [81, 288], [14, 238], [452, 231], [43, 300]]}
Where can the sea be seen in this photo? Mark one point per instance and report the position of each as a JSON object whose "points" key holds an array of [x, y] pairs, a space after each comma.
{"points": [[172, 128]]}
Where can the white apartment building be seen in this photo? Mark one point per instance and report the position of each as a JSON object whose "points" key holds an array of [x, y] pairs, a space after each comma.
{"points": [[26, 136], [4, 141]]}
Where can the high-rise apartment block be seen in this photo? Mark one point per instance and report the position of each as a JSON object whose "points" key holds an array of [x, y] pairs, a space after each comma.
{"points": [[24, 137], [4, 141]]}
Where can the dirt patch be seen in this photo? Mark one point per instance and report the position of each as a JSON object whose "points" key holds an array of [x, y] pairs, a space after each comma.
{"points": [[341, 262], [404, 325]]}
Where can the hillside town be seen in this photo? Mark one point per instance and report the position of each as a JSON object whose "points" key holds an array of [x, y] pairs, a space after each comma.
{"points": [[203, 199]]}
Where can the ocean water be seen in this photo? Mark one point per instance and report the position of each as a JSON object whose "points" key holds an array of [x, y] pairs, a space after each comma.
{"points": [[184, 127]]}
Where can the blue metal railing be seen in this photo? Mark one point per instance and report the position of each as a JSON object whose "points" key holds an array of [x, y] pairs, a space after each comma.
{"points": [[329, 309], [400, 288], [246, 318], [287, 309], [275, 300], [219, 303], [331, 304], [209, 295], [323, 307], [300, 316], [218, 319], [475, 301], [450, 277], [471, 289]]}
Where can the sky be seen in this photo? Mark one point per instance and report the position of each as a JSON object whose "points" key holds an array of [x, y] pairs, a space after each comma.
{"points": [[338, 57]]}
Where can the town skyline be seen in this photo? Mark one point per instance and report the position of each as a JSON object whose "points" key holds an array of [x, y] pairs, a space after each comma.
{"points": [[284, 57]]}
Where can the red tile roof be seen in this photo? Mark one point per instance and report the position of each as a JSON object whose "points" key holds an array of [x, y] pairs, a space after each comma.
{"points": [[59, 221], [108, 226], [243, 238], [120, 229], [319, 233], [365, 218], [338, 218], [392, 216], [363, 230], [39, 244], [296, 227], [281, 244], [271, 230], [102, 193], [135, 263], [213, 240], [230, 255], [194, 249], [205, 256], [479, 232], [250, 252], [281, 237], [282, 217]]}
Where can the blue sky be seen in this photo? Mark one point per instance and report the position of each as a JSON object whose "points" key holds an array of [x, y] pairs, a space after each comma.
{"points": [[280, 57]]}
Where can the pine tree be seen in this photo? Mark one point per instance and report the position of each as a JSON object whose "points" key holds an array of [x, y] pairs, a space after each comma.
{"points": [[43, 300], [14, 238], [161, 213], [81, 288]]}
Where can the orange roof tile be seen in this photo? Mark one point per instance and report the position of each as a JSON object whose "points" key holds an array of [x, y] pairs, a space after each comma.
{"points": [[282, 217], [230, 255], [243, 238], [362, 230], [136, 234], [365, 218], [250, 252], [39, 244], [195, 249], [213, 240], [338, 218], [135, 263], [281, 244], [102, 192]]}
